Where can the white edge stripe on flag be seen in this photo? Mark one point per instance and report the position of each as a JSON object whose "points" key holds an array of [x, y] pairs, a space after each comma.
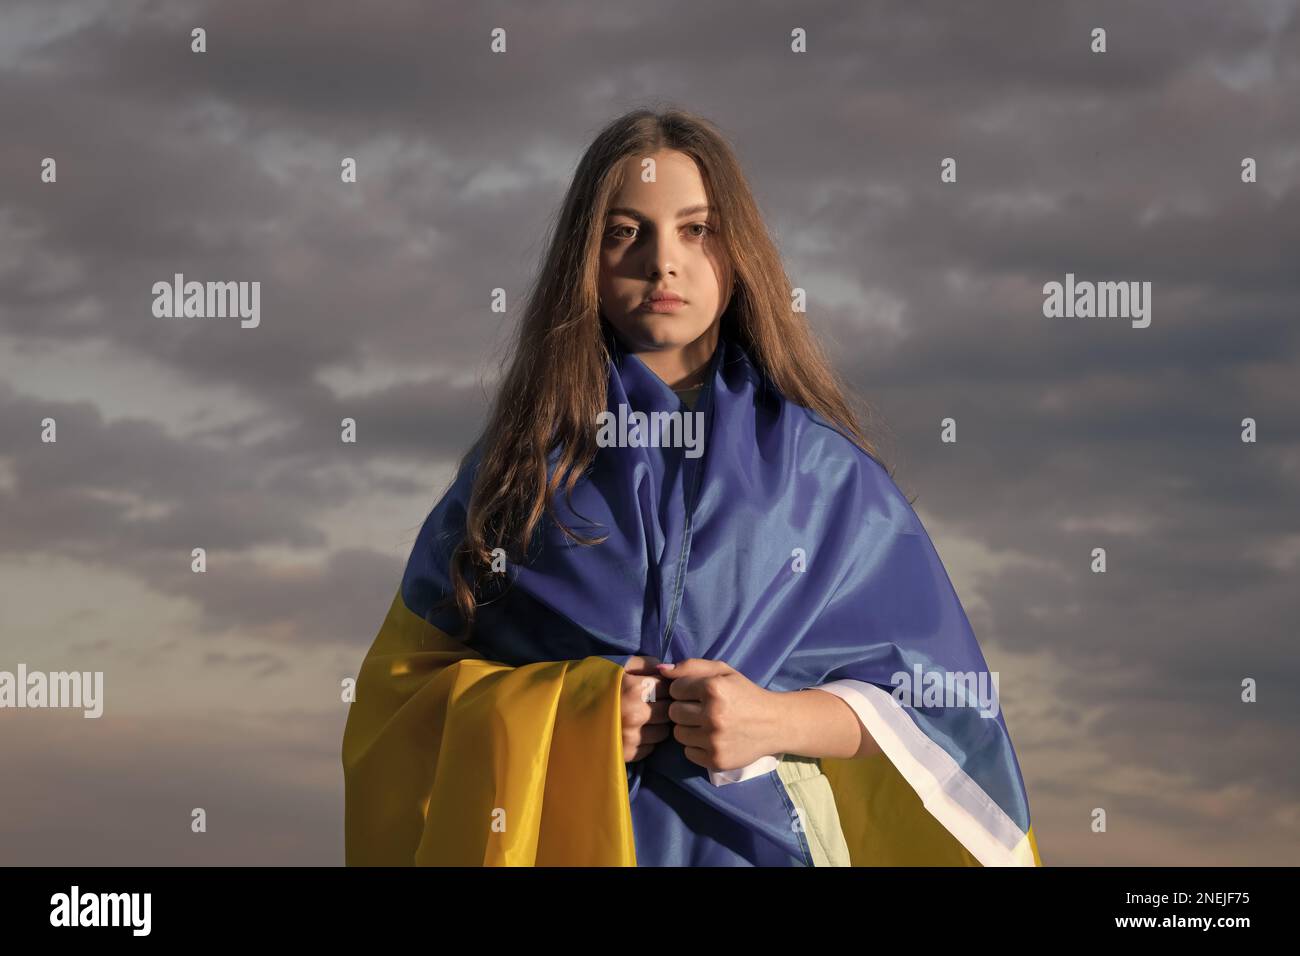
{"points": [[720, 778], [948, 792]]}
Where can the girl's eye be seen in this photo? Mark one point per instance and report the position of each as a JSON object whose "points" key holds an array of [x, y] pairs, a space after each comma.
{"points": [[704, 228]]}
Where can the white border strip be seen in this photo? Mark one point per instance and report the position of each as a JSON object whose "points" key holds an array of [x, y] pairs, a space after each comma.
{"points": [[947, 791], [762, 765]]}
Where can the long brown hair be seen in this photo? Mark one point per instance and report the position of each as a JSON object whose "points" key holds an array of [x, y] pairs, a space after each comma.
{"points": [[559, 359]]}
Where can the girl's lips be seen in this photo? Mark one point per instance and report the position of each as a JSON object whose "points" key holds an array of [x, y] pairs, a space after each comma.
{"points": [[663, 305]]}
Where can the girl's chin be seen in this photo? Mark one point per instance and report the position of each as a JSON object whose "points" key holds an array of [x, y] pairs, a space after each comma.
{"points": [[663, 331]]}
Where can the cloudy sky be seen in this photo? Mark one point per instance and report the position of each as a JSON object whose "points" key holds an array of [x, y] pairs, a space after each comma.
{"points": [[1122, 690]]}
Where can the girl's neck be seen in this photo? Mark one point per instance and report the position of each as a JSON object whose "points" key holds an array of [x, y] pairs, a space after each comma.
{"points": [[685, 366]]}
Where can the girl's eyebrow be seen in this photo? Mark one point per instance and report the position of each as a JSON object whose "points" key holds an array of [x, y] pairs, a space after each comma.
{"points": [[635, 214]]}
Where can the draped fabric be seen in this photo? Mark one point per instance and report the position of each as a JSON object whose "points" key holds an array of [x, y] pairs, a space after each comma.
{"points": [[452, 760], [774, 544]]}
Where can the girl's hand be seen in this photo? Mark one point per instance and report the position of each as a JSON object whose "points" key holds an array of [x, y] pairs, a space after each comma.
{"points": [[644, 707], [723, 719]]}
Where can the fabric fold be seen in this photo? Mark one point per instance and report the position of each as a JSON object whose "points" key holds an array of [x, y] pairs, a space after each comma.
{"points": [[454, 760]]}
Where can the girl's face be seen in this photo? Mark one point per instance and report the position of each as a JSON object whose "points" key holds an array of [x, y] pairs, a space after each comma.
{"points": [[661, 237]]}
